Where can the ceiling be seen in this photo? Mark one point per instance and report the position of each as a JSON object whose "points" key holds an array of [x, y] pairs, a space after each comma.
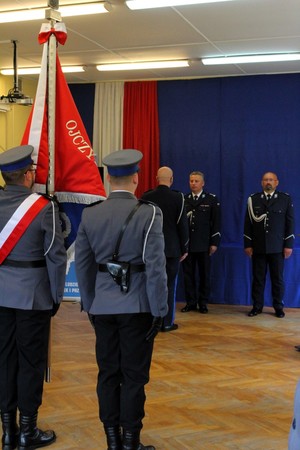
{"points": [[192, 32]]}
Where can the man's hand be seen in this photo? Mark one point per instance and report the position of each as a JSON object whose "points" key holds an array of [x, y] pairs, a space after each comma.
{"points": [[287, 252], [155, 328], [92, 319], [212, 249], [183, 257], [55, 308], [248, 251]]}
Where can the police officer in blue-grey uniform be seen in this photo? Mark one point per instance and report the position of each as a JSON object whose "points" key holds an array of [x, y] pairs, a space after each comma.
{"points": [[176, 234], [126, 308], [268, 240], [203, 211], [32, 277]]}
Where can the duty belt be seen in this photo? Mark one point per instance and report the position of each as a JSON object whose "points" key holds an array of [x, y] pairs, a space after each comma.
{"points": [[24, 264], [134, 268]]}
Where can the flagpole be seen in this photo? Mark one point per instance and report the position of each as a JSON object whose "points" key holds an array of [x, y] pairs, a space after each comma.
{"points": [[53, 16]]}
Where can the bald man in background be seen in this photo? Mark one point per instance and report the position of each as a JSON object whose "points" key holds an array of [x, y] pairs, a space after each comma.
{"points": [[175, 230]]}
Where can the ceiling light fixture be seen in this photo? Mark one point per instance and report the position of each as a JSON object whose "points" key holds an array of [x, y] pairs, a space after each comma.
{"points": [[251, 59], [37, 70], [147, 4], [143, 65], [21, 15]]}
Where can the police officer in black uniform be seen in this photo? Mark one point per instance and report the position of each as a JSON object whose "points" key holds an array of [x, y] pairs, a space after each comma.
{"points": [[203, 210], [176, 234], [268, 240]]}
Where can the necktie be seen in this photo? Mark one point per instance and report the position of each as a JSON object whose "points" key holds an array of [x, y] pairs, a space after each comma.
{"points": [[196, 197], [268, 197]]}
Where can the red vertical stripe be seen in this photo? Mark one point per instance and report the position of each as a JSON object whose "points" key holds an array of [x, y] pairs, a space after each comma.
{"points": [[141, 129]]}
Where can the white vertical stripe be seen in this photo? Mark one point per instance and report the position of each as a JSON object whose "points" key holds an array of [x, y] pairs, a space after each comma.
{"points": [[35, 132], [17, 216]]}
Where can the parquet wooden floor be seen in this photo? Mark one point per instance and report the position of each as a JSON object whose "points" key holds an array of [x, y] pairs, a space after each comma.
{"points": [[221, 381]]}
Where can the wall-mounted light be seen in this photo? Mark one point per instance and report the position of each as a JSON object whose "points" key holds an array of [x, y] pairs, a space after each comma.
{"points": [[21, 15], [143, 65], [147, 4], [37, 70], [244, 59]]}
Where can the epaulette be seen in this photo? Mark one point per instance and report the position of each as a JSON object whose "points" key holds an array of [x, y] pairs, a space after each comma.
{"points": [[147, 202], [147, 192], [286, 193], [94, 203], [213, 195]]}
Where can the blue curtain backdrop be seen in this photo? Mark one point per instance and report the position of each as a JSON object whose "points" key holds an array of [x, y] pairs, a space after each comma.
{"points": [[84, 97], [233, 130]]}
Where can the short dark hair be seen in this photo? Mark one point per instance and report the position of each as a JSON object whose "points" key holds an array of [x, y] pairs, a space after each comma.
{"points": [[15, 177]]}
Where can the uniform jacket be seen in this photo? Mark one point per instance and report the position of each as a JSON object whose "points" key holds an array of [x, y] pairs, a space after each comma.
{"points": [[175, 224], [204, 221], [142, 242], [294, 435], [275, 230], [32, 288]]}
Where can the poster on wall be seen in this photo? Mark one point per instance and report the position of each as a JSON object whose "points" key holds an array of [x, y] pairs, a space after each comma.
{"points": [[71, 291]]}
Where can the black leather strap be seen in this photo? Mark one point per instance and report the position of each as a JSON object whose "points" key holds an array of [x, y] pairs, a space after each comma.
{"points": [[24, 264], [134, 268], [116, 252]]}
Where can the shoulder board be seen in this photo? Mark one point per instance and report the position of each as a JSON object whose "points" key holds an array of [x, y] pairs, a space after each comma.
{"points": [[147, 202], [286, 193], [94, 203], [212, 195], [255, 193]]}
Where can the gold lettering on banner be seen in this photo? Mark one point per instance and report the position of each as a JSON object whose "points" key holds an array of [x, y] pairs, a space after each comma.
{"points": [[78, 140]]}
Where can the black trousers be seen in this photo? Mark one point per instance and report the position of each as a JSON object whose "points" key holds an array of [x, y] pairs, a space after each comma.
{"points": [[124, 358], [172, 266], [260, 265], [196, 267], [23, 358]]}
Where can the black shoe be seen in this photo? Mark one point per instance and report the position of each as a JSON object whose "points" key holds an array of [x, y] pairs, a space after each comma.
{"points": [[279, 313], [31, 437], [10, 430], [203, 309], [170, 327], [188, 308], [254, 312]]}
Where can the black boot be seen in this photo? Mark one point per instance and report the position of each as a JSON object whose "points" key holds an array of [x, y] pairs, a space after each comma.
{"points": [[10, 430], [131, 441], [32, 437], [113, 437]]}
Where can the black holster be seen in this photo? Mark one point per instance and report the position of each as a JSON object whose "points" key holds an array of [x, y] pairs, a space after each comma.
{"points": [[120, 272]]}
